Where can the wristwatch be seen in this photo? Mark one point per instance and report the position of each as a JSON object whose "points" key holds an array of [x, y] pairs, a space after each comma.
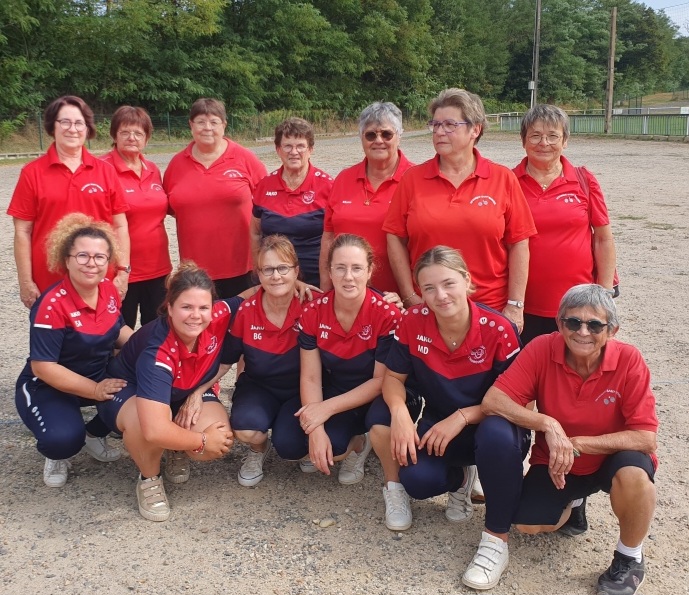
{"points": [[516, 303], [125, 269]]}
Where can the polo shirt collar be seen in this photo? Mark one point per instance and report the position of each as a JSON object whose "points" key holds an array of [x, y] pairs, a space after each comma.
{"points": [[568, 170], [87, 160], [609, 363], [103, 297], [472, 339], [229, 153], [363, 318], [310, 174], [293, 313], [482, 166], [402, 166], [121, 166]]}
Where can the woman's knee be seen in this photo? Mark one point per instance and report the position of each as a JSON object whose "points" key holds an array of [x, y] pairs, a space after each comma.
{"points": [[62, 442], [420, 482]]}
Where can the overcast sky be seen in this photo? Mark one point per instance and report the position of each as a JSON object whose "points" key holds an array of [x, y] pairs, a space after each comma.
{"points": [[677, 10]]}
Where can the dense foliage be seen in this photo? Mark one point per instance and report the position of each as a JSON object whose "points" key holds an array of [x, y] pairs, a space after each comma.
{"points": [[323, 54]]}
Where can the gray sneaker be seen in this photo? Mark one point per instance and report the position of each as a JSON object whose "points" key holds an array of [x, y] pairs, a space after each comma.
{"points": [[251, 471], [100, 450], [153, 504], [624, 577], [398, 515], [459, 507], [177, 466], [55, 472], [352, 468]]}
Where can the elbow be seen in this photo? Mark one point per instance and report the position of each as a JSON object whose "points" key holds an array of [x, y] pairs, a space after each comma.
{"points": [[651, 445], [488, 405]]}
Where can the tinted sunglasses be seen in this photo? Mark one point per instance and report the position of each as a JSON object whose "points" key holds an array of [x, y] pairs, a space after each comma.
{"points": [[596, 327], [372, 135]]}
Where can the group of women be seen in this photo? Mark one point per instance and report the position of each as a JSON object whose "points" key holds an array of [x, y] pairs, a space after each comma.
{"points": [[429, 388]]}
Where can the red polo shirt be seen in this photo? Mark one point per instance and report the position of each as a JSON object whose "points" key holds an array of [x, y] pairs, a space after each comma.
{"points": [[47, 190], [150, 255], [213, 208], [616, 397], [560, 253], [354, 207], [481, 218]]}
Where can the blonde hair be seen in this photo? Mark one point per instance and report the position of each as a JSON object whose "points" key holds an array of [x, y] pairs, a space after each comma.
{"points": [[446, 257], [71, 227]]}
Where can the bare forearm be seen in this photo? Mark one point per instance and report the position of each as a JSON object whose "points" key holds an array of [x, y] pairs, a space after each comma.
{"points": [[606, 444], [64, 380], [326, 241], [604, 255], [398, 254], [361, 395], [518, 270]]}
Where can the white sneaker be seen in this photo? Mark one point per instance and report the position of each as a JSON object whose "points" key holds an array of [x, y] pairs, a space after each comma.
{"points": [[459, 507], [153, 504], [177, 466], [100, 450], [489, 562], [251, 471], [55, 472], [306, 465], [352, 468], [398, 515]]}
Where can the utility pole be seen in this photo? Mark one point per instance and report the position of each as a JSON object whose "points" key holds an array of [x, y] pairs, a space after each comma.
{"points": [[533, 84], [610, 90]]}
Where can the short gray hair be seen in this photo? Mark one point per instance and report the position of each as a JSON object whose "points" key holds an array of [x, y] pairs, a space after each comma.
{"points": [[592, 296], [380, 113], [550, 115]]}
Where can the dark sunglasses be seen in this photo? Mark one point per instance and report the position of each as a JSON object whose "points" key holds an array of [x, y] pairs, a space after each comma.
{"points": [[372, 135], [596, 327]]}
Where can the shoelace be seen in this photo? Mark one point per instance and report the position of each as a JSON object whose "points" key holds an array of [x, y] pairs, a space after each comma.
{"points": [[619, 567], [253, 462], [350, 463], [396, 501], [58, 467]]}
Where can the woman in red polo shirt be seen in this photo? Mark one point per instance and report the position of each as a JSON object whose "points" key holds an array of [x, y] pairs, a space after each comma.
{"points": [[131, 129], [67, 179], [462, 200], [361, 194], [210, 185]]}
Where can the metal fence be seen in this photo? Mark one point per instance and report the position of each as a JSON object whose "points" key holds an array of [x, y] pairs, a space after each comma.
{"points": [[631, 125]]}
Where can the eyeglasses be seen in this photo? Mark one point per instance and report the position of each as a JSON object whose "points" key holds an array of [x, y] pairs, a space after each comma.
{"points": [[448, 126], [298, 148], [85, 258], [282, 270], [65, 124], [550, 139], [355, 270], [205, 123], [596, 327], [125, 134], [386, 135]]}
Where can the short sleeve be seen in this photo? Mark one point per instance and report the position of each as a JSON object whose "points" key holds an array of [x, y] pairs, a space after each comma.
{"points": [[396, 219], [398, 359], [308, 324]]}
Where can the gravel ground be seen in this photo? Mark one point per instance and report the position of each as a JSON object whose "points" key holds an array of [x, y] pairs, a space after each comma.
{"points": [[221, 537]]}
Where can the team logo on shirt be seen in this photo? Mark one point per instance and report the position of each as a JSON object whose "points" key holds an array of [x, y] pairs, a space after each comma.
{"points": [[92, 188], [568, 198], [213, 345], [232, 173], [478, 355], [365, 333], [308, 197], [609, 396], [112, 305], [295, 326], [483, 201], [156, 187]]}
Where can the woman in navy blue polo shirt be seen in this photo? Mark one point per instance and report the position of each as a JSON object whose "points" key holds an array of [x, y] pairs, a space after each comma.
{"points": [[344, 339], [75, 325], [454, 349], [265, 332], [169, 364]]}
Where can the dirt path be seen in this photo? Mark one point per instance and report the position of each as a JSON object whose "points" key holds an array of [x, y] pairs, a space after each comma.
{"points": [[89, 537]]}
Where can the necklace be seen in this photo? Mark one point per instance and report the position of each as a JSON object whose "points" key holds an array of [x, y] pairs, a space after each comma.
{"points": [[543, 185], [367, 196]]}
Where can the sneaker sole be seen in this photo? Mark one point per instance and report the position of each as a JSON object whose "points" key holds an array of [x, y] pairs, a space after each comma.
{"points": [[347, 482], [484, 586], [177, 479], [398, 527], [459, 520], [156, 517], [248, 483], [55, 485], [104, 459], [602, 591]]}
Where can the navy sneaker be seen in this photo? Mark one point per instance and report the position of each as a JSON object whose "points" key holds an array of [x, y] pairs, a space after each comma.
{"points": [[624, 577], [576, 523]]}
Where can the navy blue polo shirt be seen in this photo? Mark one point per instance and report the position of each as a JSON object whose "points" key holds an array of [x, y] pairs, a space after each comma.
{"points": [[348, 358], [161, 366], [451, 380], [271, 354], [66, 330]]}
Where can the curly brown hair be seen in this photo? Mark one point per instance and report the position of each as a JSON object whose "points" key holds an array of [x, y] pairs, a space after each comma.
{"points": [[77, 225]]}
